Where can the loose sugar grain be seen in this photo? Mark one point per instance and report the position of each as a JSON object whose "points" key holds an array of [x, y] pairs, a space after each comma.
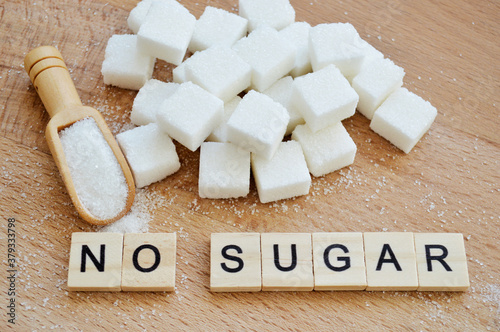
{"points": [[98, 178]]}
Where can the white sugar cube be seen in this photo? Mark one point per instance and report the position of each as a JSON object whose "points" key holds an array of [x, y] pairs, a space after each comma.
{"points": [[268, 54], [219, 134], [297, 34], [273, 13], [179, 72], [224, 171], [138, 14], [324, 97], [149, 100], [375, 82], [166, 31], [217, 27], [190, 115], [403, 119], [284, 176], [258, 124], [369, 52], [281, 92], [326, 150], [150, 153], [124, 66], [338, 44], [220, 71]]}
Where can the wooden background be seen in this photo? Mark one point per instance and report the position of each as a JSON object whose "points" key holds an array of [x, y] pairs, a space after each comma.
{"points": [[449, 183]]}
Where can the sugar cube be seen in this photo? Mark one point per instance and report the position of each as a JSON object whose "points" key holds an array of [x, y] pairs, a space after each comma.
{"points": [[281, 92], [336, 43], [268, 54], [166, 31], [217, 27], [375, 83], [138, 14], [124, 66], [179, 72], [190, 115], [297, 34], [324, 97], [273, 13], [285, 175], [219, 134], [258, 124], [403, 119], [326, 150], [370, 53], [150, 153], [149, 99], [224, 171], [220, 71]]}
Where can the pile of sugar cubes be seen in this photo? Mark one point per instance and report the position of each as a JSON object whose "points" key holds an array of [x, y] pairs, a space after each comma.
{"points": [[252, 80]]}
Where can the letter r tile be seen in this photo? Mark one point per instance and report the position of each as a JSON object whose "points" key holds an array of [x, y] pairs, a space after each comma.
{"points": [[235, 262], [95, 262], [441, 262], [287, 262], [149, 262]]}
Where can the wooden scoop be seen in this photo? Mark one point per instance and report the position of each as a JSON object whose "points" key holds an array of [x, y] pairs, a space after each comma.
{"points": [[50, 77]]}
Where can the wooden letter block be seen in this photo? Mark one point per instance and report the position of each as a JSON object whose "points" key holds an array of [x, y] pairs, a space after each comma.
{"points": [[287, 262], [149, 262], [95, 262], [390, 262], [441, 262], [235, 262], [339, 261]]}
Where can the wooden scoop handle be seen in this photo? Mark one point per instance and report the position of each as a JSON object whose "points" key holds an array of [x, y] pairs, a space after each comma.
{"points": [[50, 77]]}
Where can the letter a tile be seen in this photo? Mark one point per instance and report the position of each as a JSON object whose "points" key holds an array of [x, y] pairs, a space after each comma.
{"points": [[149, 262], [235, 262], [95, 262], [441, 262], [390, 262], [287, 262]]}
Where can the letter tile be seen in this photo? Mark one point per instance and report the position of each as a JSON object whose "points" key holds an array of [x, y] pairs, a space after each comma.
{"points": [[235, 262], [287, 262], [339, 261], [390, 261], [149, 262], [95, 262], [441, 262]]}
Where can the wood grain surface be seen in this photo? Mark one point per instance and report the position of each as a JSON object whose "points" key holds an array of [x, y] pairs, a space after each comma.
{"points": [[450, 182]]}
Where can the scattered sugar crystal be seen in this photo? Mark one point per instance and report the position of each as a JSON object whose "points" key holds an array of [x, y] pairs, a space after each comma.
{"points": [[217, 27], [375, 83], [258, 124], [150, 153], [220, 71], [166, 31], [224, 171], [297, 34], [124, 66], [97, 177], [190, 115], [326, 150], [281, 92], [285, 175], [138, 14], [273, 13], [268, 54], [219, 134], [149, 99], [403, 119], [336, 43], [324, 97]]}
